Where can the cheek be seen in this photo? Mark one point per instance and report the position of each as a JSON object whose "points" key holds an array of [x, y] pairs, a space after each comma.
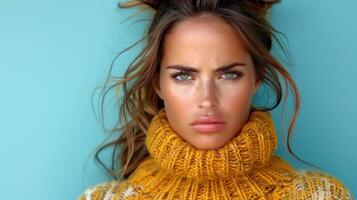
{"points": [[236, 97], [176, 96], [178, 103]]}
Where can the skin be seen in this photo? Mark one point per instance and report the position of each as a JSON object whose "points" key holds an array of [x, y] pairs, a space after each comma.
{"points": [[205, 43]]}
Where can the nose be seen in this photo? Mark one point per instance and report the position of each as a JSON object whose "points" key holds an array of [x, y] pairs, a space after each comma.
{"points": [[208, 95]]}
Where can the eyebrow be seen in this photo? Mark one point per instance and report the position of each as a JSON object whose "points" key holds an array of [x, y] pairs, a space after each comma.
{"points": [[191, 69]]}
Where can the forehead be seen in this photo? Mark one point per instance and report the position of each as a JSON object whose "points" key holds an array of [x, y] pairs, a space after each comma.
{"points": [[204, 32]]}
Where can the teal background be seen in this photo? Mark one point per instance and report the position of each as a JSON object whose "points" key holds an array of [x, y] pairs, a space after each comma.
{"points": [[54, 53]]}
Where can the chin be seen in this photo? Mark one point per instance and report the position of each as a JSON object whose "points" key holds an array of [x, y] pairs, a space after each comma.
{"points": [[208, 145]]}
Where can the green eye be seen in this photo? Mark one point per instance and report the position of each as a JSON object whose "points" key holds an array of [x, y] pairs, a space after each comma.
{"points": [[184, 76], [232, 75], [181, 74]]}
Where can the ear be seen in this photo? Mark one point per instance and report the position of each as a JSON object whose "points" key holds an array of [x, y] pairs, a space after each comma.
{"points": [[156, 86], [257, 85]]}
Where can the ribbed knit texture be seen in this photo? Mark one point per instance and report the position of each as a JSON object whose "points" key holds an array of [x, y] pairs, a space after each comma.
{"points": [[244, 168]]}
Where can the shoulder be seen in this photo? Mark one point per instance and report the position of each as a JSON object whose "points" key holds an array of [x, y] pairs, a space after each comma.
{"points": [[108, 190], [318, 185]]}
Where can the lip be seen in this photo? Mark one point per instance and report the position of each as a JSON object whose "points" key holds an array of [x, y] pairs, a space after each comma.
{"points": [[207, 120], [208, 124]]}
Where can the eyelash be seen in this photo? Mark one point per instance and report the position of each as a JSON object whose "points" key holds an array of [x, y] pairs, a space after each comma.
{"points": [[237, 73]]}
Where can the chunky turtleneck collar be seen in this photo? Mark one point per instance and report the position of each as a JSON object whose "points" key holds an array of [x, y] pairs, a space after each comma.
{"points": [[242, 169], [250, 149]]}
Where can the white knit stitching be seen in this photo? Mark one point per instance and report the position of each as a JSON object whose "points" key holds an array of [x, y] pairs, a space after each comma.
{"points": [[109, 193], [129, 191], [328, 186], [88, 193], [319, 192]]}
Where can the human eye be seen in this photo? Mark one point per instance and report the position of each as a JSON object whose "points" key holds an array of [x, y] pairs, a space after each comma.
{"points": [[233, 75], [183, 76]]}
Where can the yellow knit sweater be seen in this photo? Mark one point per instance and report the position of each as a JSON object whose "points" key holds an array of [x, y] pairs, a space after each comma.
{"points": [[245, 168]]}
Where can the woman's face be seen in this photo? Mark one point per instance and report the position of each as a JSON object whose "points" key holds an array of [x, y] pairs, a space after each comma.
{"points": [[204, 45]]}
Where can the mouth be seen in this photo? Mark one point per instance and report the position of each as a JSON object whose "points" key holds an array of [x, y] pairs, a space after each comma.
{"points": [[208, 127]]}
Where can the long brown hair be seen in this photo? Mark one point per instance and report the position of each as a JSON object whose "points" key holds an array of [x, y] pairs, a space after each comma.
{"points": [[140, 102]]}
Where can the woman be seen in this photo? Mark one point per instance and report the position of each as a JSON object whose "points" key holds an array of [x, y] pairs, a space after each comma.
{"points": [[194, 133]]}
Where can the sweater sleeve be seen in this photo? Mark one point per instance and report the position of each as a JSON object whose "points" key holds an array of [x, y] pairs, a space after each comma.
{"points": [[316, 185], [108, 190]]}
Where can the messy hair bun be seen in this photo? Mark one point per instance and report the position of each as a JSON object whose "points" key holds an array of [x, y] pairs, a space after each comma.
{"points": [[261, 6]]}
